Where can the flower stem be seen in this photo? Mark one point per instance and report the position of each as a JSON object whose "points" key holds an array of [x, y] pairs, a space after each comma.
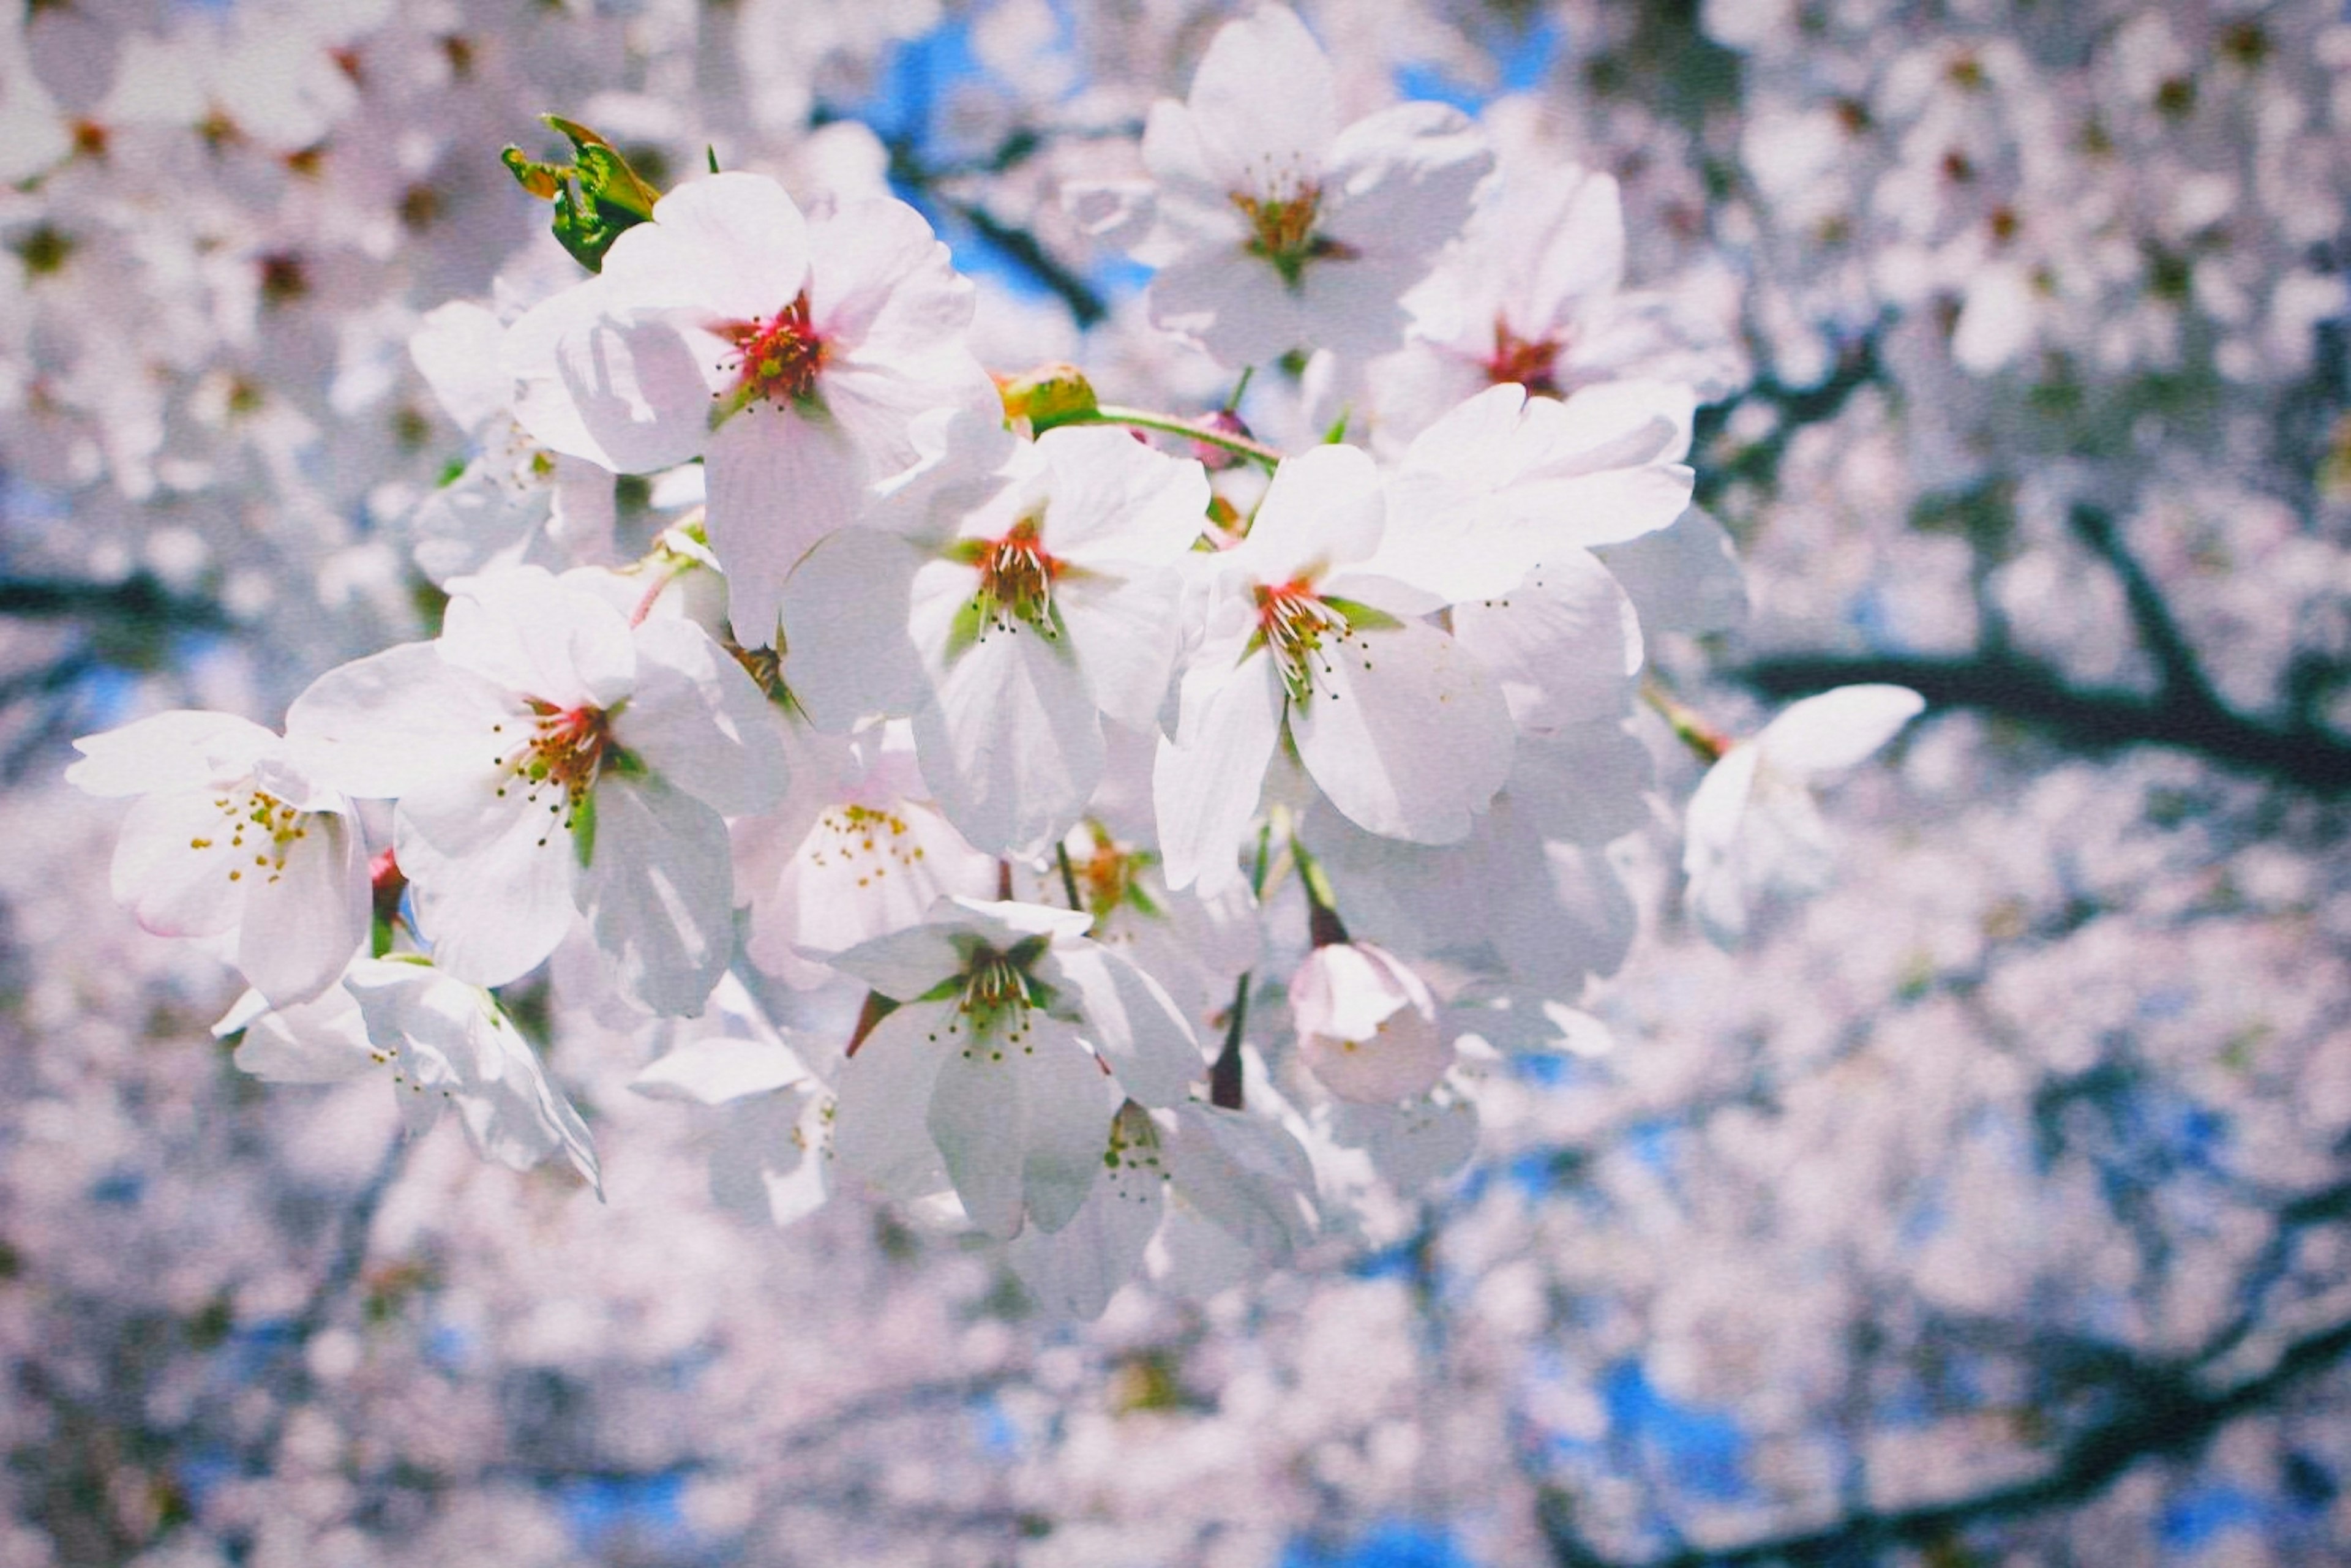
{"points": [[1688, 727], [1144, 419]]}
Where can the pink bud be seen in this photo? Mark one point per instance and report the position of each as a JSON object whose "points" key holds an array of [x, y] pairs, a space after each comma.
{"points": [[1366, 1025]]}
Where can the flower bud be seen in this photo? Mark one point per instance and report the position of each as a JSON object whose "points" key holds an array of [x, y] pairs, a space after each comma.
{"points": [[1366, 1025]]}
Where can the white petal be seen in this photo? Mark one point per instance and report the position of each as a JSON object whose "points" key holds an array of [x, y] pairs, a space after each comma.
{"points": [[1011, 744], [880, 1127], [1205, 785], [779, 480], [1265, 103], [1406, 732], [1838, 729], [637, 388], [1131, 1022], [1022, 1119], [1245, 1176], [525, 630], [1563, 645], [321, 1042], [659, 891], [492, 877], [698, 721], [734, 245], [388, 724], [1075, 1271], [1717, 809], [182, 750], [180, 867], [845, 618], [1684, 577], [304, 922]]}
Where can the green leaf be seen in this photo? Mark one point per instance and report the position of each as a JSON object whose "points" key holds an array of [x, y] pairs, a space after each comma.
{"points": [[598, 197]]}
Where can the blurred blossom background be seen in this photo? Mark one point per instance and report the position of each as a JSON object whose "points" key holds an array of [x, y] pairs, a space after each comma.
{"points": [[1994, 1207]]}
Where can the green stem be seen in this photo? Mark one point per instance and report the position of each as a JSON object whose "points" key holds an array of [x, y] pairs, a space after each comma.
{"points": [[1142, 419], [1688, 727]]}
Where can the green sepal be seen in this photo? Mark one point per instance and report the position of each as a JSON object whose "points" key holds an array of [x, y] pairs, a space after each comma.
{"points": [[598, 197], [1362, 617], [583, 828]]}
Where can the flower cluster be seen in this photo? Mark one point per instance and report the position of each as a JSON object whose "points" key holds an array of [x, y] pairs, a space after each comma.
{"points": [[1042, 735]]}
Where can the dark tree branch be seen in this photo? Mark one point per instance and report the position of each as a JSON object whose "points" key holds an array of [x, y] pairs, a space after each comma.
{"points": [[2030, 693], [141, 601], [2162, 1411]]}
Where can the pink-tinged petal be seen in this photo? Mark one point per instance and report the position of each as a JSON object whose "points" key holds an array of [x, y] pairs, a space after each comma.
{"points": [[779, 480], [1265, 103], [305, 923], [659, 893], [525, 632], [1205, 785], [1324, 509], [1406, 732], [1563, 645], [734, 246], [880, 1131], [698, 721], [182, 750], [1074, 1271], [1011, 743], [179, 866], [883, 285], [1838, 729], [388, 724], [1131, 1022], [491, 877], [1021, 1118], [641, 387], [1399, 183], [845, 620]]}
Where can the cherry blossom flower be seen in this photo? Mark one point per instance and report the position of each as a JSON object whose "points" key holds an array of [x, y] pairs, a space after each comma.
{"points": [[1399, 727], [231, 835], [549, 758], [436, 1040], [1273, 228], [770, 1133], [1753, 828], [1013, 1042], [1218, 1196], [792, 356]]}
